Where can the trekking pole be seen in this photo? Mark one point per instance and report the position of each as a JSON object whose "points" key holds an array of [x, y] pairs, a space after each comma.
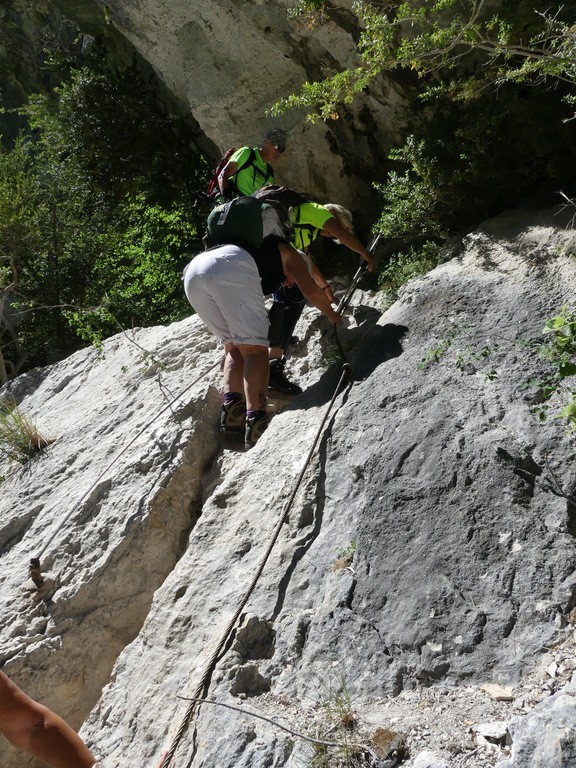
{"points": [[345, 300]]}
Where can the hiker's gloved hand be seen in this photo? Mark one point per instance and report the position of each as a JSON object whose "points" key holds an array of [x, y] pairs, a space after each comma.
{"points": [[369, 259]]}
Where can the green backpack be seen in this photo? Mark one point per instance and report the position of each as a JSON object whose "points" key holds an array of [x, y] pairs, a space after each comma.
{"points": [[238, 222]]}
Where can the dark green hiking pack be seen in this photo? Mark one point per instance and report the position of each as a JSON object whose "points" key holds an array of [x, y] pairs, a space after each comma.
{"points": [[237, 222]]}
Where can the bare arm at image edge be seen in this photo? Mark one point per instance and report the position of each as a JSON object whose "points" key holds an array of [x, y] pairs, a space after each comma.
{"points": [[35, 729]]}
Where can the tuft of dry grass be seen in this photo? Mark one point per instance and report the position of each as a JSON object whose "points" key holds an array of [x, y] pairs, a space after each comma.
{"points": [[20, 439]]}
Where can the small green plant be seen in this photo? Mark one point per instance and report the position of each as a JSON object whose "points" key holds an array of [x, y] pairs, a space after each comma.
{"points": [[561, 347], [311, 12], [435, 354], [20, 439], [415, 261], [345, 555], [569, 412], [559, 350], [472, 355], [339, 723], [466, 358]]}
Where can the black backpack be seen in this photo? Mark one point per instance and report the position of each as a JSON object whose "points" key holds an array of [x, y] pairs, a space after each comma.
{"points": [[273, 193]]}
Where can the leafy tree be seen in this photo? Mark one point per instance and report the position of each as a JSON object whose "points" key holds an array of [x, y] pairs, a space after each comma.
{"points": [[18, 238], [124, 138], [136, 280], [467, 160], [521, 42], [97, 210], [488, 120]]}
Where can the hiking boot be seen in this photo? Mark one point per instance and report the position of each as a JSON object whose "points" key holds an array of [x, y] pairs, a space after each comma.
{"points": [[278, 380], [255, 425], [233, 417]]}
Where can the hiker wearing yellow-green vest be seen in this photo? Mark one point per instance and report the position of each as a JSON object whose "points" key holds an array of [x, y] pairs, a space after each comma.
{"points": [[309, 220], [249, 168]]}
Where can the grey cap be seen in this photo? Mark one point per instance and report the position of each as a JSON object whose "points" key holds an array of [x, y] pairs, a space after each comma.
{"points": [[277, 135]]}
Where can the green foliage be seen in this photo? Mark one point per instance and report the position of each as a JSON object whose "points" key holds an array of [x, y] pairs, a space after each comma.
{"points": [[437, 352], [17, 206], [560, 352], [122, 135], [97, 211], [466, 360], [468, 160], [561, 347], [20, 439], [472, 355], [569, 411], [405, 265], [312, 12], [415, 204], [485, 127], [138, 281], [520, 43]]}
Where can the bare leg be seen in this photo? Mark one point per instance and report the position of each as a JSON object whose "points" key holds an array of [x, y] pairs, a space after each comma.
{"points": [[256, 371], [275, 353], [233, 369]]}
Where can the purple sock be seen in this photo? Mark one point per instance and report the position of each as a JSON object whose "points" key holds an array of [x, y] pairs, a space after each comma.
{"points": [[232, 397], [252, 413]]}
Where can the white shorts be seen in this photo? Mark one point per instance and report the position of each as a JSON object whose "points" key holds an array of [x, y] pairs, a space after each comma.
{"points": [[223, 286]]}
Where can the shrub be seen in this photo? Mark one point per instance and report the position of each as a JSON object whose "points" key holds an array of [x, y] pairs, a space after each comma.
{"points": [[405, 265]]}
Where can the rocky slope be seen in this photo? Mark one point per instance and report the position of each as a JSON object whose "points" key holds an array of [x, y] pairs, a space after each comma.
{"points": [[422, 578]]}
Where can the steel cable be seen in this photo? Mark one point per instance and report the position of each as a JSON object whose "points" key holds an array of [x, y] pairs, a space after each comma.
{"points": [[202, 687]]}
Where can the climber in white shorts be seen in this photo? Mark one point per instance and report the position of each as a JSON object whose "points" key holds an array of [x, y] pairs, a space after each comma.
{"points": [[226, 286]]}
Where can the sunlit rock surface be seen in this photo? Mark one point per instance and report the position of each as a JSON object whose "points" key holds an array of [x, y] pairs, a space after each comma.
{"points": [[430, 541]]}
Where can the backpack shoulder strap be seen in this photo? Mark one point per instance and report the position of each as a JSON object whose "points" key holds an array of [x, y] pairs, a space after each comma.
{"points": [[301, 225], [213, 188], [248, 162]]}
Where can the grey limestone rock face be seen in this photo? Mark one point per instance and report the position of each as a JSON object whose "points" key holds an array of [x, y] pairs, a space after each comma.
{"points": [[546, 735], [227, 63], [429, 543]]}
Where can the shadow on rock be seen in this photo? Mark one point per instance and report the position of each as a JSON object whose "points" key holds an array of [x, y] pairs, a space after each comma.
{"points": [[382, 343]]}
